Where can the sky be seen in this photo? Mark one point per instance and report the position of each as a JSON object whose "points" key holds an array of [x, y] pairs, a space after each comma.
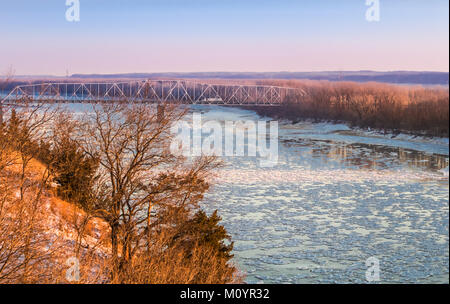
{"points": [[145, 36]]}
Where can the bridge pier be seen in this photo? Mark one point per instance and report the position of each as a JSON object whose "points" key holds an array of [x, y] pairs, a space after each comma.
{"points": [[160, 112]]}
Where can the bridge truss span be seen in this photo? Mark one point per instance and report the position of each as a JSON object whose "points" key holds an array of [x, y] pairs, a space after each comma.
{"points": [[154, 91]]}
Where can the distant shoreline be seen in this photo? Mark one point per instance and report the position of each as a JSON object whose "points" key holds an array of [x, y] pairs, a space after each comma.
{"points": [[399, 77], [392, 77]]}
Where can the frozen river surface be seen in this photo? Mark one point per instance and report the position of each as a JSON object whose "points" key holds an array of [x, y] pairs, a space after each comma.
{"points": [[335, 199]]}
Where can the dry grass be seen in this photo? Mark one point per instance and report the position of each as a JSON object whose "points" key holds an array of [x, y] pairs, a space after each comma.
{"points": [[71, 216], [67, 212], [174, 267], [34, 167]]}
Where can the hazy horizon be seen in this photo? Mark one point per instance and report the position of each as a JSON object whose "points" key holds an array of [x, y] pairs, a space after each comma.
{"points": [[228, 72]]}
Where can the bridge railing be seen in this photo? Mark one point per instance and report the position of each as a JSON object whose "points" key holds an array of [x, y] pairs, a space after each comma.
{"points": [[154, 91]]}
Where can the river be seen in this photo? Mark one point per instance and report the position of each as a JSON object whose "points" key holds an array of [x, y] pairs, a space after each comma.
{"points": [[336, 198]]}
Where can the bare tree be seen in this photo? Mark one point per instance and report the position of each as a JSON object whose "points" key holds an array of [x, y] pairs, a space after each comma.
{"points": [[137, 172]]}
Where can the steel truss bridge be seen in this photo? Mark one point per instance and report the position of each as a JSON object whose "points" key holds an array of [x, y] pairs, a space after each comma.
{"points": [[153, 91]]}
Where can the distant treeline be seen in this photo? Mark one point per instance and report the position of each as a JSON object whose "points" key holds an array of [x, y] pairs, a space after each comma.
{"points": [[415, 110], [405, 77]]}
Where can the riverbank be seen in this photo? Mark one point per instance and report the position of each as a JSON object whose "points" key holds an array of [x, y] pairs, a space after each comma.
{"points": [[413, 110], [345, 133]]}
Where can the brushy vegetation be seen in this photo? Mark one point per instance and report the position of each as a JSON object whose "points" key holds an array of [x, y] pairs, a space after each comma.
{"points": [[415, 110], [115, 169]]}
